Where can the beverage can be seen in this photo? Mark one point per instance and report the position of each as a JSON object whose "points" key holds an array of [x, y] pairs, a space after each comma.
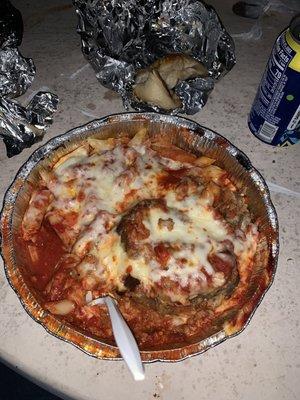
{"points": [[275, 114]]}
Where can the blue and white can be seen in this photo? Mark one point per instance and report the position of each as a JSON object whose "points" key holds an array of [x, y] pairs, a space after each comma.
{"points": [[275, 113]]}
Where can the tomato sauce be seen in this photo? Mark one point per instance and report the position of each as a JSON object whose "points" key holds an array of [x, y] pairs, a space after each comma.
{"points": [[162, 254], [153, 323], [171, 178], [41, 256]]}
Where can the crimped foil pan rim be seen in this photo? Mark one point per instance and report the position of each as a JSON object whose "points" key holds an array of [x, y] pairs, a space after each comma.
{"points": [[39, 154]]}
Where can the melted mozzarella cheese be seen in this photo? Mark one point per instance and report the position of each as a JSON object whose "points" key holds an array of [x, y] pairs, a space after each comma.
{"points": [[94, 232], [102, 186], [64, 163], [198, 233], [189, 226], [104, 180]]}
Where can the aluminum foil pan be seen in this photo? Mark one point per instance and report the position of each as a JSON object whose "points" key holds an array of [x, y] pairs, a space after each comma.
{"points": [[188, 135], [120, 37]]}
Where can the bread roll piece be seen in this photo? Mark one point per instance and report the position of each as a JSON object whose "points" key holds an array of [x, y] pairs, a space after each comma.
{"points": [[154, 91], [154, 84], [175, 68]]}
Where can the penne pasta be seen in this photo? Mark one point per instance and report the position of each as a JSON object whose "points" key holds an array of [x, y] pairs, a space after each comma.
{"points": [[164, 232]]}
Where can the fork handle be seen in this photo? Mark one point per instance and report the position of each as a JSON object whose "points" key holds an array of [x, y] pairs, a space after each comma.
{"points": [[125, 341]]}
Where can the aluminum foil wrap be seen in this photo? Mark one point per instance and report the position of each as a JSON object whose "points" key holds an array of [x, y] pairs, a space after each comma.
{"points": [[20, 126], [16, 72], [11, 25], [120, 37]]}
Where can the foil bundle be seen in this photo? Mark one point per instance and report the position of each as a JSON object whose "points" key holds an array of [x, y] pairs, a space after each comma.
{"points": [[20, 126], [121, 37]]}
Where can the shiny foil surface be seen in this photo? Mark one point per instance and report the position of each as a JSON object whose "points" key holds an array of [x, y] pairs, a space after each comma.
{"points": [[20, 126], [187, 135], [16, 73], [120, 37]]}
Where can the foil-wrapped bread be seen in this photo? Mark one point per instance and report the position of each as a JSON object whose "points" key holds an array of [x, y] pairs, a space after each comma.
{"points": [[155, 84], [151, 88], [123, 40]]}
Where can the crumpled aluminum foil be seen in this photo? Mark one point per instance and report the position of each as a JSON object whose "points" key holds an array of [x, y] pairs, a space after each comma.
{"points": [[11, 25], [16, 72], [20, 126], [120, 37]]}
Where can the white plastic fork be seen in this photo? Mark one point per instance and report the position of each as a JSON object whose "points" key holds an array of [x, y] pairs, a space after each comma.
{"points": [[124, 338]]}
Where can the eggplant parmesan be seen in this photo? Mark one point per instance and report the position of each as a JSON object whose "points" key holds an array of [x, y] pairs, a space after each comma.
{"points": [[163, 231]]}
